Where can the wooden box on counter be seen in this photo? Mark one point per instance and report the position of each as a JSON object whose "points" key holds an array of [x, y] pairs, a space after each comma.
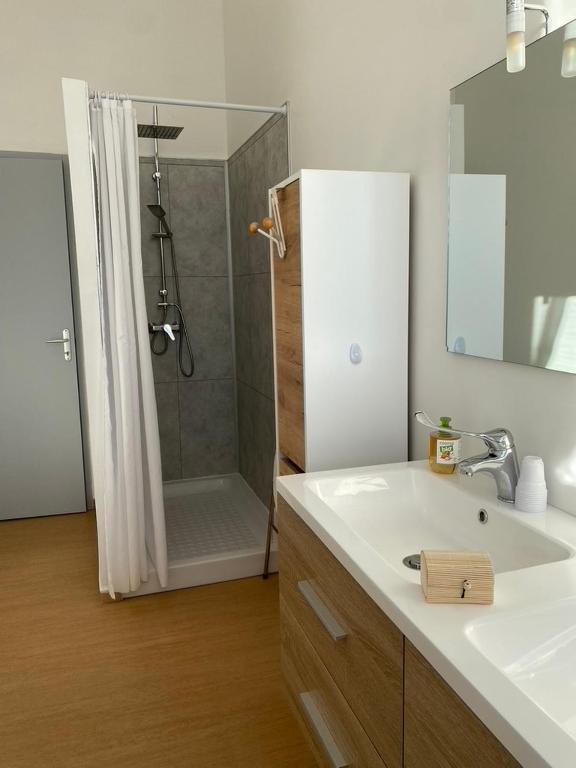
{"points": [[457, 577]]}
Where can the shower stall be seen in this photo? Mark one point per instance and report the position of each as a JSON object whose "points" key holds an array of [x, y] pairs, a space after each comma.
{"points": [[208, 306]]}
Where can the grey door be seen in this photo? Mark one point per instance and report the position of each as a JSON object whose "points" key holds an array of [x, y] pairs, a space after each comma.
{"points": [[41, 469]]}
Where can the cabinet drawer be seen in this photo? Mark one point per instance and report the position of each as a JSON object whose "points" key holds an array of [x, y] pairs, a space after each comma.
{"points": [[361, 648], [337, 734]]}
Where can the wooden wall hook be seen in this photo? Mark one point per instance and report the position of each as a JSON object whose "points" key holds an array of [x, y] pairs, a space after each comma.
{"points": [[271, 227], [267, 224]]}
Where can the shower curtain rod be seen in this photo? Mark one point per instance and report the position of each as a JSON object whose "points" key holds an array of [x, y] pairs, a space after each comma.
{"points": [[201, 104]]}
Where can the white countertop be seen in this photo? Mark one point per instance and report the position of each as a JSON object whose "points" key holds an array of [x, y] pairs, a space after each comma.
{"points": [[440, 631]]}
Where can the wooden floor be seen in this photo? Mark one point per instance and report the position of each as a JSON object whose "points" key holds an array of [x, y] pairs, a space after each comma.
{"points": [[185, 678]]}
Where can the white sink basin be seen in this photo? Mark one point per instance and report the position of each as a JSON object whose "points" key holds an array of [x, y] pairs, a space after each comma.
{"points": [[536, 649], [399, 512]]}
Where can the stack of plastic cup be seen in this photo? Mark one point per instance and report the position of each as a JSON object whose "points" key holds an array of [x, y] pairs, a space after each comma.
{"points": [[531, 491]]}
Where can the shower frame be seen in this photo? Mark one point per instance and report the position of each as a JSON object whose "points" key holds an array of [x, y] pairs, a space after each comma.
{"points": [[76, 97]]}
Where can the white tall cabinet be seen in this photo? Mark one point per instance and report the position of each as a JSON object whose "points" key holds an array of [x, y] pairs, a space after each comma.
{"points": [[340, 307]]}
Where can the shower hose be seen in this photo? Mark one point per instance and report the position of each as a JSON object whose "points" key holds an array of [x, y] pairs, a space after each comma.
{"points": [[159, 341]]}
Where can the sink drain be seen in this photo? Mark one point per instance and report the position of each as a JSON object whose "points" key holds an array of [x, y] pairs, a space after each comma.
{"points": [[483, 516], [413, 562]]}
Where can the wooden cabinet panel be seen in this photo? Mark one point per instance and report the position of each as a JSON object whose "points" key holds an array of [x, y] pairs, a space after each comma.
{"points": [[366, 664], [320, 703], [289, 204], [287, 286], [440, 730], [288, 323], [287, 317], [290, 403], [286, 467]]}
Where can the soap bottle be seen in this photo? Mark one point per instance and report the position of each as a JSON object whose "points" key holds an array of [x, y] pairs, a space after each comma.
{"points": [[444, 449]]}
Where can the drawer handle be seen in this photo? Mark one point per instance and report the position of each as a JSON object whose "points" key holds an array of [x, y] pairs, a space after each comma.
{"points": [[320, 728], [334, 629]]}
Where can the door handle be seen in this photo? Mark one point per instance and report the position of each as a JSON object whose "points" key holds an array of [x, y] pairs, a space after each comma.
{"points": [[65, 340]]}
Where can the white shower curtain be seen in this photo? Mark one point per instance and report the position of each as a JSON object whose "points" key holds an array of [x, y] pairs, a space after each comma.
{"points": [[130, 510]]}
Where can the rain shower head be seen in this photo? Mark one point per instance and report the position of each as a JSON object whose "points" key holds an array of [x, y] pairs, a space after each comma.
{"points": [[149, 131]]}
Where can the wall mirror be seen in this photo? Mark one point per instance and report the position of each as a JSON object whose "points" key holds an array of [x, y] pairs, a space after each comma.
{"points": [[512, 213]]}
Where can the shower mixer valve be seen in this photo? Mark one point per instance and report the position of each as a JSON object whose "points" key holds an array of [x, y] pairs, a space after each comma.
{"points": [[168, 328]]}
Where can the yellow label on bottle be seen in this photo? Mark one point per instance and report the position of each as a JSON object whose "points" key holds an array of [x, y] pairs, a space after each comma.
{"points": [[447, 451]]}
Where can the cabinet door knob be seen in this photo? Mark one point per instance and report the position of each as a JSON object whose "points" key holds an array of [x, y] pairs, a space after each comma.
{"points": [[355, 354]]}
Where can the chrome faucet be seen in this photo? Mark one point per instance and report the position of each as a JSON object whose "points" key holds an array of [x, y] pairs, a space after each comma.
{"points": [[500, 460]]}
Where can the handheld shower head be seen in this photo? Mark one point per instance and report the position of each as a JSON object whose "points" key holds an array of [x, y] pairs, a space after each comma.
{"points": [[160, 214], [158, 211]]}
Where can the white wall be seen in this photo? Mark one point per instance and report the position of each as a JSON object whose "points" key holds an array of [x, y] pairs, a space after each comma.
{"points": [[369, 87], [166, 48]]}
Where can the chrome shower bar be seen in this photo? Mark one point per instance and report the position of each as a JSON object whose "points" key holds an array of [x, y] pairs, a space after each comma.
{"points": [[200, 104]]}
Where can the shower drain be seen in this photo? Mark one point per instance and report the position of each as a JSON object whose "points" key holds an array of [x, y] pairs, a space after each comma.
{"points": [[413, 562]]}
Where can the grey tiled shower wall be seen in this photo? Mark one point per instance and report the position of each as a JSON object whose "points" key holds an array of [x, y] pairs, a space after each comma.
{"points": [[196, 416], [259, 164]]}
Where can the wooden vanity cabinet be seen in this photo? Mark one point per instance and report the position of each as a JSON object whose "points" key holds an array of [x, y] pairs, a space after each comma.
{"points": [[366, 696], [358, 645]]}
